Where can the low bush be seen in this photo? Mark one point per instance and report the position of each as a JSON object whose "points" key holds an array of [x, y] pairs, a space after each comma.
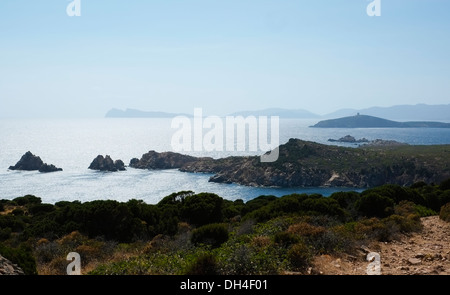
{"points": [[286, 239], [445, 185], [15, 223], [27, 200], [305, 229], [202, 209], [5, 233], [299, 256], [237, 258], [41, 209], [445, 212], [18, 212], [214, 234], [375, 205], [205, 264], [22, 256]]}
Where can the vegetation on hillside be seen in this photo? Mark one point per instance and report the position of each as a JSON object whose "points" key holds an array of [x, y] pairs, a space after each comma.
{"points": [[188, 233]]}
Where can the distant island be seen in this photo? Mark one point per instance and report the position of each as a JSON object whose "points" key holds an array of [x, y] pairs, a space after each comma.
{"points": [[418, 112], [365, 121], [132, 113]]}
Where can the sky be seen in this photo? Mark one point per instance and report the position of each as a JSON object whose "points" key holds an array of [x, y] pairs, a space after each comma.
{"points": [[220, 55]]}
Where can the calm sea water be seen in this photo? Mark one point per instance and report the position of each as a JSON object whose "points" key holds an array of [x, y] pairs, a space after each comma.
{"points": [[73, 144]]}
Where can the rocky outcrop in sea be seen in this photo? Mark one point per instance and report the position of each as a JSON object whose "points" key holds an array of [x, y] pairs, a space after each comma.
{"points": [[30, 162], [101, 163], [349, 139]]}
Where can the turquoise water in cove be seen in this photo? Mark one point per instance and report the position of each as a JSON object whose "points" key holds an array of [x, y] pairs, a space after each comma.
{"points": [[73, 143]]}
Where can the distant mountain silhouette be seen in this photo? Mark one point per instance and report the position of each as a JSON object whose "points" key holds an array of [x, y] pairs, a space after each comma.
{"points": [[419, 112], [282, 113], [132, 113], [365, 121]]}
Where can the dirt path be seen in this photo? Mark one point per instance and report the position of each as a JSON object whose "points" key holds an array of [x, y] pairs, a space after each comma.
{"points": [[423, 253]]}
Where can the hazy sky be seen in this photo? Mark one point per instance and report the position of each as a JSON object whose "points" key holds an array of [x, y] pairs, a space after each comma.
{"points": [[221, 55]]}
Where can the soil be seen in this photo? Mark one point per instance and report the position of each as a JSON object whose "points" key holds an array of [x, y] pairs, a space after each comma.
{"points": [[422, 253]]}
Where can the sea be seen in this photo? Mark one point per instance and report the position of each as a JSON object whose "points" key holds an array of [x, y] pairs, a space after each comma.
{"points": [[72, 144]]}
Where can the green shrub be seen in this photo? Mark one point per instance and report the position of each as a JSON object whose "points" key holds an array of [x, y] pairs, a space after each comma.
{"points": [[205, 264], [322, 206], [445, 185], [22, 256], [202, 209], [445, 212], [444, 198], [5, 233], [41, 208], [245, 259], [286, 239], [375, 205], [432, 200], [18, 212], [175, 198], [346, 200], [27, 200], [299, 256], [405, 224], [418, 184], [14, 222], [2, 207], [214, 234], [423, 211], [305, 229], [232, 208], [257, 203]]}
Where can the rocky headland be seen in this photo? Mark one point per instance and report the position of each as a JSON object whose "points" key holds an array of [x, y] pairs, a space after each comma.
{"points": [[30, 162], [308, 164]]}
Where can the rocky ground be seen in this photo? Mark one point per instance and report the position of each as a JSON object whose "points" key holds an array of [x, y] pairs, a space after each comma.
{"points": [[423, 253], [8, 268]]}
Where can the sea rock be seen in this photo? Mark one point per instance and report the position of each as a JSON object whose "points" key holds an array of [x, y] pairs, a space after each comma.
{"points": [[101, 163], [349, 139], [46, 168], [9, 268], [30, 162]]}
